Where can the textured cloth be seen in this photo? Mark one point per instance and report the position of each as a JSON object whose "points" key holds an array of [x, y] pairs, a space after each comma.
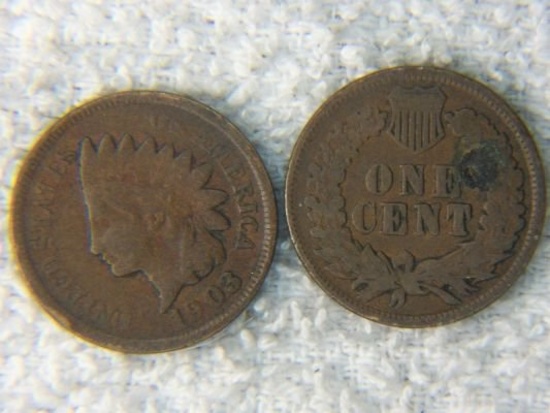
{"points": [[267, 66]]}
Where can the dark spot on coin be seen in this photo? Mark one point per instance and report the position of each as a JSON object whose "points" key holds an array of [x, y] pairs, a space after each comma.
{"points": [[479, 167]]}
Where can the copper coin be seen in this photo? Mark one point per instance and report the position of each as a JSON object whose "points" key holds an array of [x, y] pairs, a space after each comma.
{"points": [[415, 196], [143, 221]]}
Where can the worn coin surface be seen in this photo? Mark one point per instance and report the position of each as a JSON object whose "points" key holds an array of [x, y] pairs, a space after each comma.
{"points": [[415, 196], [143, 221]]}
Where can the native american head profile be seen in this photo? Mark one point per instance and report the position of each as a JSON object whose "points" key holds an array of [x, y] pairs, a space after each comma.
{"points": [[150, 210]]}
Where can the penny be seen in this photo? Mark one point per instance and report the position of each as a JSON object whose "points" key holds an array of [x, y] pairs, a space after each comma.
{"points": [[143, 221], [415, 196]]}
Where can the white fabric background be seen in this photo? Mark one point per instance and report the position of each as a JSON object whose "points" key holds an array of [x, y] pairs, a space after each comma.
{"points": [[267, 65]]}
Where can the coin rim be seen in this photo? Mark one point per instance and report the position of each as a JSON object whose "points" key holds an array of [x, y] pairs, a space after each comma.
{"points": [[534, 220], [78, 326]]}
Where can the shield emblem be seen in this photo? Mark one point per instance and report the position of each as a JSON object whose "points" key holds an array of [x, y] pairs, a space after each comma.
{"points": [[416, 117]]}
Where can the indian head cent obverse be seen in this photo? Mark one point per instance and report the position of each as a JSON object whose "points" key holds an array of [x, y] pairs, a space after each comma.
{"points": [[143, 221], [415, 196]]}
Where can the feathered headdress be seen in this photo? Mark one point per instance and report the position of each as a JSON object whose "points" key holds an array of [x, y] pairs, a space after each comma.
{"points": [[153, 174]]}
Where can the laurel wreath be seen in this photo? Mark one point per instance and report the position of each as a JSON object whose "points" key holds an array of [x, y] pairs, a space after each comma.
{"points": [[452, 276]]}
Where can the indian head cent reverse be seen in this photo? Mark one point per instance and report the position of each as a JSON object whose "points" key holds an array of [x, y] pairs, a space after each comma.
{"points": [[415, 196]]}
